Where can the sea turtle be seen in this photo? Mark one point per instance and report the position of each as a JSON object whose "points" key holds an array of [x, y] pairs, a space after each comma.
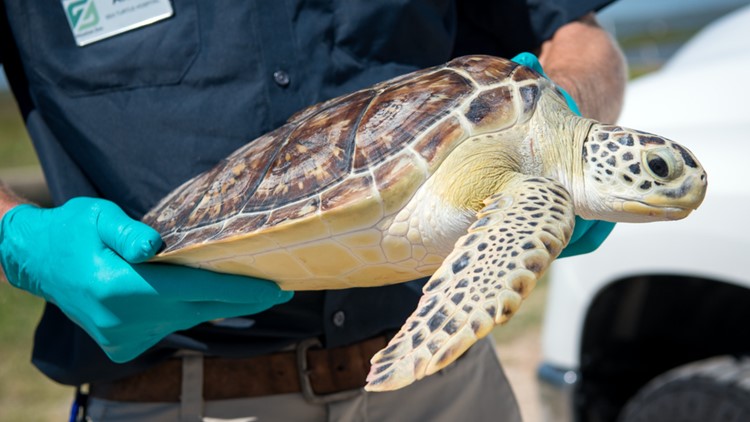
{"points": [[472, 172]]}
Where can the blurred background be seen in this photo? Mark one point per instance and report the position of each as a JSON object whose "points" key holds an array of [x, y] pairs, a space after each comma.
{"points": [[649, 31]]}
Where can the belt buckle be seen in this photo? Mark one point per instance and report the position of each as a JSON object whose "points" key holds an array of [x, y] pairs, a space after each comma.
{"points": [[304, 377]]}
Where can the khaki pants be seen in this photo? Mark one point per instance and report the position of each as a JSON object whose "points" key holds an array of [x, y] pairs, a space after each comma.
{"points": [[472, 389]]}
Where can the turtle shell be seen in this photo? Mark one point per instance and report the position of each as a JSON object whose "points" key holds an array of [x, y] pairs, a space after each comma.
{"points": [[345, 163]]}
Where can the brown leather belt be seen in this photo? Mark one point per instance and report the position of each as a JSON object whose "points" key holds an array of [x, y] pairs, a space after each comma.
{"points": [[320, 374]]}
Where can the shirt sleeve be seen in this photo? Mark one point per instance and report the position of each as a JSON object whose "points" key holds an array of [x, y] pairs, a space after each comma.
{"points": [[508, 27]]}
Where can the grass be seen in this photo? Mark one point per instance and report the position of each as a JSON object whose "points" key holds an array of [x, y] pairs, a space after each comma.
{"points": [[15, 147], [25, 394]]}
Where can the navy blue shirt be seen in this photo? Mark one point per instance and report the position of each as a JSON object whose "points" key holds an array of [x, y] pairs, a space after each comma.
{"points": [[131, 117]]}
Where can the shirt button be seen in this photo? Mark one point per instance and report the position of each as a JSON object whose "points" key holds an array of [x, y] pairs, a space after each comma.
{"points": [[339, 318], [281, 78]]}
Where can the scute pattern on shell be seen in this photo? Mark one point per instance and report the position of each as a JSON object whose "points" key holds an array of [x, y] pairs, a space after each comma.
{"points": [[294, 171], [399, 114]]}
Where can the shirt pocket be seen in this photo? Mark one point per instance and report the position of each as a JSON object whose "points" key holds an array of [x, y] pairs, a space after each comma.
{"points": [[414, 32], [156, 54]]}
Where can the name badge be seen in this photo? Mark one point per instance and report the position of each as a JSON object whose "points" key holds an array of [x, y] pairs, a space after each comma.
{"points": [[95, 20]]}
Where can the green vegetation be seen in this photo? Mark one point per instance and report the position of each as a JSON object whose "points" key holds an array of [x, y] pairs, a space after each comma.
{"points": [[652, 41], [674, 36], [15, 147], [25, 394]]}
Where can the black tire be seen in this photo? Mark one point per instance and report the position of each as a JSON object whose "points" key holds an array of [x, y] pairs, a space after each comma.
{"points": [[716, 389]]}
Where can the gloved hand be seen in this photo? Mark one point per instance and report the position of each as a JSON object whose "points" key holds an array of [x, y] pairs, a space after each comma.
{"points": [[587, 234], [83, 257]]}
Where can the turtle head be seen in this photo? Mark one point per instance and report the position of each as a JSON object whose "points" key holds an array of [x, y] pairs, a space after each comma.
{"points": [[633, 176]]}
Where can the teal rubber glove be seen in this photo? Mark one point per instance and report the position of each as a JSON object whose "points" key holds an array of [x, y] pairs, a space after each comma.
{"points": [[587, 234], [84, 257]]}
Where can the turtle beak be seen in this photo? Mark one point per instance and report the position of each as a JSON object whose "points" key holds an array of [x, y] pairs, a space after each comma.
{"points": [[640, 211], [667, 204]]}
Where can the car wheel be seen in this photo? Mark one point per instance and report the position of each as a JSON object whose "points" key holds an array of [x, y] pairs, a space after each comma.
{"points": [[716, 389]]}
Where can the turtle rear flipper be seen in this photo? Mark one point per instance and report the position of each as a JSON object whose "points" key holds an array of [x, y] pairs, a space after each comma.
{"points": [[481, 283]]}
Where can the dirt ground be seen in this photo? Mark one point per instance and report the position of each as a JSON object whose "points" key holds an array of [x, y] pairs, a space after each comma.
{"points": [[520, 359]]}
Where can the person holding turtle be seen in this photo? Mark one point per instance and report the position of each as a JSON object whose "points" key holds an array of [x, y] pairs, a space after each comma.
{"points": [[125, 103]]}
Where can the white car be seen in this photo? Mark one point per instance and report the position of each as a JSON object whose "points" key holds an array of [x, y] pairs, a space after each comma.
{"points": [[655, 297]]}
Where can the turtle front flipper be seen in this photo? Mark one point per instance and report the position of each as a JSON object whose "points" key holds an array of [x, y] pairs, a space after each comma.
{"points": [[481, 283]]}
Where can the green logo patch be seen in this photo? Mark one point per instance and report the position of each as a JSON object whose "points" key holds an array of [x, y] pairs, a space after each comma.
{"points": [[82, 15]]}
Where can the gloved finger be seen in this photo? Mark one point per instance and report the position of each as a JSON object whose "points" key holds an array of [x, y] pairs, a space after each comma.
{"points": [[182, 318], [192, 284], [529, 60], [121, 353], [581, 227], [588, 239], [132, 240], [200, 312], [8, 259]]}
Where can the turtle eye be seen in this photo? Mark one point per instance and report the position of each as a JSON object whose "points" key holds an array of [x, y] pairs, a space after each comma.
{"points": [[658, 166], [662, 164]]}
